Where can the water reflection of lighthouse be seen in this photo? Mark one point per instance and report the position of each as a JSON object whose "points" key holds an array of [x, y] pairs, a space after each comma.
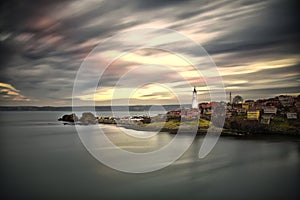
{"points": [[195, 99]]}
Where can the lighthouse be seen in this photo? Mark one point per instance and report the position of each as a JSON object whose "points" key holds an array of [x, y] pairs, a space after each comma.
{"points": [[195, 99]]}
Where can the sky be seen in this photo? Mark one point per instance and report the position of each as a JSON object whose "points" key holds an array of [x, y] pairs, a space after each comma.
{"points": [[254, 44]]}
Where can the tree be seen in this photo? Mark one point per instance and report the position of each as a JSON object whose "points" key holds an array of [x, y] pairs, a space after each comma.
{"points": [[237, 100]]}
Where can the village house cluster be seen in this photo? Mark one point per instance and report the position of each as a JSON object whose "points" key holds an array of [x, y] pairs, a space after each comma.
{"points": [[283, 107], [263, 110]]}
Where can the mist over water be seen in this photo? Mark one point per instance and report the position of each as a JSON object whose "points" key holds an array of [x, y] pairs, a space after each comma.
{"points": [[41, 158]]}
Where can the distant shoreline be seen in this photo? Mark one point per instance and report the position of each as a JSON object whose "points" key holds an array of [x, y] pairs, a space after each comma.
{"points": [[91, 108]]}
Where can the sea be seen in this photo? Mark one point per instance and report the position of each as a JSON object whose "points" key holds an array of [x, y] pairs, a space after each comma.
{"points": [[43, 159]]}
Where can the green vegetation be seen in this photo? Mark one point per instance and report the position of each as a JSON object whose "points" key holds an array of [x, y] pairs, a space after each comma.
{"points": [[204, 123], [241, 117], [234, 125], [280, 125], [174, 124]]}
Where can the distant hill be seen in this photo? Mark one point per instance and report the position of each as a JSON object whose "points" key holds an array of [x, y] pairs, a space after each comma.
{"points": [[89, 108]]}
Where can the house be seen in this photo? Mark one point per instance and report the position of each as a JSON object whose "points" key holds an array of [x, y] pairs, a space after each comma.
{"points": [[291, 115], [253, 115], [173, 114], [286, 100], [250, 102], [270, 110], [191, 113], [266, 118], [246, 106]]}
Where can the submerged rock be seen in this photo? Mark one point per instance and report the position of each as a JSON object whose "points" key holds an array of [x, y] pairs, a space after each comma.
{"points": [[69, 118]]}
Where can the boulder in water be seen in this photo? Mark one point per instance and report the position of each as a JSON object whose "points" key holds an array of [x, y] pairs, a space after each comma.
{"points": [[88, 118], [69, 118]]}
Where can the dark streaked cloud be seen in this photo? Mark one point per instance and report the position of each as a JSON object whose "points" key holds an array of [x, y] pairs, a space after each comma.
{"points": [[155, 4], [42, 43]]}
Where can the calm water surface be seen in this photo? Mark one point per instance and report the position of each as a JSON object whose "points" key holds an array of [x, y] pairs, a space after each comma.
{"points": [[43, 159]]}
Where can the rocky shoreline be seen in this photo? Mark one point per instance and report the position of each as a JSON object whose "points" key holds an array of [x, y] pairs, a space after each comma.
{"points": [[232, 127], [224, 132], [87, 118]]}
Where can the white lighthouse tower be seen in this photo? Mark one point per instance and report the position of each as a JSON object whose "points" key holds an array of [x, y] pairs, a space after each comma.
{"points": [[195, 99]]}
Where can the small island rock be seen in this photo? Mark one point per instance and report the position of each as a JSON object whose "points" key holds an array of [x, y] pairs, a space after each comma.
{"points": [[88, 118], [69, 118]]}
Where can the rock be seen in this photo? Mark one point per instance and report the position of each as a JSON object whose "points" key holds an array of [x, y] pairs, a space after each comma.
{"points": [[69, 118], [88, 118]]}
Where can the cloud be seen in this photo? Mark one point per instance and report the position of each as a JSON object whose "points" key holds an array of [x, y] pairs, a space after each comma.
{"points": [[43, 43], [10, 94]]}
